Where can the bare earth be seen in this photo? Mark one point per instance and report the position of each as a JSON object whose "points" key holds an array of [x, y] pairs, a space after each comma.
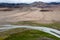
{"points": [[32, 14]]}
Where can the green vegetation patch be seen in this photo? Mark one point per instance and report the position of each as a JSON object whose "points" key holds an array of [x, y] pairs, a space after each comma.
{"points": [[5, 34], [31, 35]]}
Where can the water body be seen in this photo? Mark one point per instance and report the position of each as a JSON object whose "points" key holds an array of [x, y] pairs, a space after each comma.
{"points": [[44, 29]]}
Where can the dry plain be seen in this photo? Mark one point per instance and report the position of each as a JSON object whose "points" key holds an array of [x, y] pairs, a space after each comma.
{"points": [[47, 15]]}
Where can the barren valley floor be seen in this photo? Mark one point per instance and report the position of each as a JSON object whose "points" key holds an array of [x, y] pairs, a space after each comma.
{"points": [[35, 15]]}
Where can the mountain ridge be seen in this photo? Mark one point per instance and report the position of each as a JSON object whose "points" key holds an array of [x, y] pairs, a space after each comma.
{"points": [[17, 5]]}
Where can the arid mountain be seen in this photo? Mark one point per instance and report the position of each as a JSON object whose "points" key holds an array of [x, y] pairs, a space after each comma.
{"points": [[38, 4]]}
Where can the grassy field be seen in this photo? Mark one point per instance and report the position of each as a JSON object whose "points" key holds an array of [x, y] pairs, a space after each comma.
{"points": [[55, 25], [31, 35], [5, 34], [26, 34]]}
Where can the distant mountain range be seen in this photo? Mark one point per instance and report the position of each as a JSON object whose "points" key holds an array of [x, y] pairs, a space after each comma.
{"points": [[13, 5], [54, 3], [38, 4]]}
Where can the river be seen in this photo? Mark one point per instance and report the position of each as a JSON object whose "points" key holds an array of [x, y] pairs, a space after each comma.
{"points": [[44, 29]]}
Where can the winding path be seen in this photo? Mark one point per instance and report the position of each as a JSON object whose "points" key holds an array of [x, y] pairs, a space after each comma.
{"points": [[44, 29]]}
